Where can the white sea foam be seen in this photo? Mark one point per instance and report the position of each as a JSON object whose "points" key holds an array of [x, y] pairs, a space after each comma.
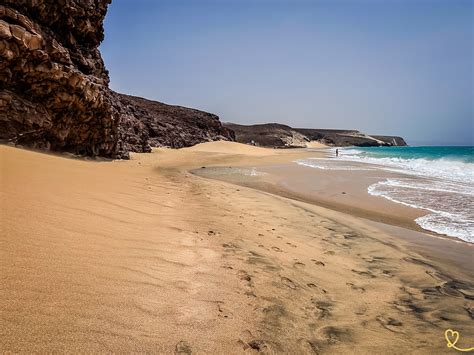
{"points": [[448, 204], [441, 168], [329, 164], [443, 187]]}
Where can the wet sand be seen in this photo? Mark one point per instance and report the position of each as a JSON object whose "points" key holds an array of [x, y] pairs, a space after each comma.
{"points": [[143, 256], [344, 191]]}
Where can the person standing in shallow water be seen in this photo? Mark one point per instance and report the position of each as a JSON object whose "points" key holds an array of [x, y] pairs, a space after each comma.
{"points": [[337, 152]]}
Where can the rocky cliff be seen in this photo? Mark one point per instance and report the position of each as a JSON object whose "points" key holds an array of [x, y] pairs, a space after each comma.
{"points": [[282, 136], [268, 135], [146, 123], [343, 138], [54, 87], [392, 140], [53, 83]]}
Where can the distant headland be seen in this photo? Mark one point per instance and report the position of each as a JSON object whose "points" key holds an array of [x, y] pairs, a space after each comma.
{"points": [[282, 136]]}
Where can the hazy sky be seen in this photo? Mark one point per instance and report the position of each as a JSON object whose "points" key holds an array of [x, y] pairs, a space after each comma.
{"points": [[384, 67]]}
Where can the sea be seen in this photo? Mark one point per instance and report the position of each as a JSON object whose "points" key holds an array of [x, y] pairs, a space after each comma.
{"points": [[437, 179]]}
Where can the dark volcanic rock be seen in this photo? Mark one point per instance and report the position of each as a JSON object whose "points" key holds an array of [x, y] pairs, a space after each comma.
{"points": [[280, 136], [393, 140], [53, 82], [54, 87], [148, 123], [268, 135], [340, 137]]}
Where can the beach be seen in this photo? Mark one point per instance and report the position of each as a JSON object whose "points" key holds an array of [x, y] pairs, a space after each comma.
{"points": [[217, 248]]}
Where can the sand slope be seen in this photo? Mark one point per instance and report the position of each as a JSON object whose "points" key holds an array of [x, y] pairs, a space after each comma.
{"points": [[316, 144], [141, 255], [232, 148]]}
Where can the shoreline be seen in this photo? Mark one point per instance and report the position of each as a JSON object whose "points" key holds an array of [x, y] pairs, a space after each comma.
{"points": [[443, 248], [288, 180], [140, 255], [343, 191]]}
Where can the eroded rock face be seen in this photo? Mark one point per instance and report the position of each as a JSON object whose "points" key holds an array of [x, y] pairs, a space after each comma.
{"points": [[146, 123], [54, 90], [274, 135], [53, 84], [281, 136]]}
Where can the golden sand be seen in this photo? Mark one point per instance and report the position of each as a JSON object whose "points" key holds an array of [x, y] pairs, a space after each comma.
{"points": [[141, 255]]}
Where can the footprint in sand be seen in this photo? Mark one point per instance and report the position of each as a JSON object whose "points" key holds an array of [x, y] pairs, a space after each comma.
{"points": [[343, 245], [390, 323], [334, 335], [259, 345], [248, 341], [247, 280], [182, 348], [314, 286], [299, 264], [365, 273], [330, 252], [288, 283], [324, 308], [291, 245], [351, 236], [355, 287], [387, 273], [243, 275], [224, 312], [230, 247], [360, 310], [317, 262], [451, 288], [374, 259], [277, 249]]}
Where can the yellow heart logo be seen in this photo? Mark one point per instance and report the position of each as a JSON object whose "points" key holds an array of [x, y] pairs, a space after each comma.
{"points": [[452, 337]]}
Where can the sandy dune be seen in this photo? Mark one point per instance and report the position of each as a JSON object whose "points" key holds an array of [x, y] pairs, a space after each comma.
{"points": [[315, 144], [141, 255], [233, 148]]}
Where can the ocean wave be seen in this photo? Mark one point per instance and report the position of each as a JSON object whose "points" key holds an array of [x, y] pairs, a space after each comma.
{"points": [[439, 168], [430, 185], [443, 186], [329, 164], [447, 224], [449, 206]]}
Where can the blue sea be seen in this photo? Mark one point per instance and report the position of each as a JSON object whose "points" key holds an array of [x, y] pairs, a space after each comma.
{"points": [[437, 179]]}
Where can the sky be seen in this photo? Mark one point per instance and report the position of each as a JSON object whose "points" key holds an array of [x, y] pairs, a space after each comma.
{"points": [[395, 67]]}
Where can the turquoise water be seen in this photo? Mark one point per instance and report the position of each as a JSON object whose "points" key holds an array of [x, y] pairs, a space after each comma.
{"points": [[439, 180], [463, 154]]}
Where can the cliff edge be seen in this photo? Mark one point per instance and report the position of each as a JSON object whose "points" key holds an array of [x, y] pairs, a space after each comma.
{"points": [[54, 87]]}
